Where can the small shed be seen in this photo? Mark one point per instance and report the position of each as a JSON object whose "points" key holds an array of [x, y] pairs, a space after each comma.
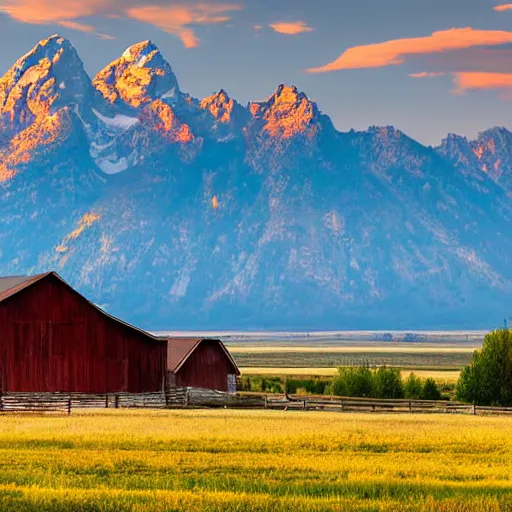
{"points": [[201, 363], [52, 339]]}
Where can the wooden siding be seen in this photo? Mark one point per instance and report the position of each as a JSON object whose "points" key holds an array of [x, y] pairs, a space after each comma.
{"points": [[51, 339], [207, 367]]}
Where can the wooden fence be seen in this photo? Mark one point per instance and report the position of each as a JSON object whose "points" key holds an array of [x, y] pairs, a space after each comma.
{"points": [[205, 398], [209, 398]]}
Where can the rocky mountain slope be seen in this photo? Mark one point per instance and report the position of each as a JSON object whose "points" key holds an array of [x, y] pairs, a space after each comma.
{"points": [[176, 212]]}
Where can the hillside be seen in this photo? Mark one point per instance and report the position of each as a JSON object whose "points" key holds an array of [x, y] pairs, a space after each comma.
{"points": [[182, 213]]}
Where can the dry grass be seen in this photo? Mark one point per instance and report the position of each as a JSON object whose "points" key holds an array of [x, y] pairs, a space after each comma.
{"points": [[448, 376], [352, 349], [215, 460]]}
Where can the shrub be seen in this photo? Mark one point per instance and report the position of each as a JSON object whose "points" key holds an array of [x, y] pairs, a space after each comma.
{"points": [[488, 378], [357, 382], [387, 383], [413, 387], [430, 390]]}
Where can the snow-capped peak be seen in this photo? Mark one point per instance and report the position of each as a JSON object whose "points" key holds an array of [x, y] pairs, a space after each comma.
{"points": [[33, 85], [140, 76]]}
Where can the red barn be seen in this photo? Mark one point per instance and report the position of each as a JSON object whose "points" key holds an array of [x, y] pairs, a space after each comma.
{"points": [[201, 363], [53, 339]]}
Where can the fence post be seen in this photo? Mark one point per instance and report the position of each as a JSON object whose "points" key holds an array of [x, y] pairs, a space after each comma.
{"points": [[410, 406], [69, 405], [186, 397], [116, 401], [474, 410], [106, 401], [1, 401], [266, 401], [304, 405]]}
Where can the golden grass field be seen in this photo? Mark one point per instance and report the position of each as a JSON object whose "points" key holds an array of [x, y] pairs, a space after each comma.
{"points": [[224, 460]]}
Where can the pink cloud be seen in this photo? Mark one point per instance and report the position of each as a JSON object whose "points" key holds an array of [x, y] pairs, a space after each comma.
{"points": [[41, 12], [74, 25], [291, 28], [178, 19], [474, 80], [504, 7], [394, 52]]}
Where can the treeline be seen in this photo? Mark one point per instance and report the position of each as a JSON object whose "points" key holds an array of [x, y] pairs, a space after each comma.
{"points": [[293, 385], [359, 381], [382, 382]]}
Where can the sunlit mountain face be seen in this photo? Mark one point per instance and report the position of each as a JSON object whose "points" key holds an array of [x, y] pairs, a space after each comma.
{"points": [[177, 212]]}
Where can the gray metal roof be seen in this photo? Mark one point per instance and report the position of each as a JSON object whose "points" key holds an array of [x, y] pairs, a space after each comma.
{"points": [[6, 283], [11, 285]]}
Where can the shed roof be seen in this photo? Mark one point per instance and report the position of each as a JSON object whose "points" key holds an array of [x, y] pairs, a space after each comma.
{"points": [[12, 285], [180, 349]]}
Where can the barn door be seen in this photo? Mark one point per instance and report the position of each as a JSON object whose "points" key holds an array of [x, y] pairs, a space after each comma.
{"points": [[69, 357], [29, 354]]}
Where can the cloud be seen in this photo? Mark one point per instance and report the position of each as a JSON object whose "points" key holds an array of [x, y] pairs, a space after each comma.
{"points": [[427, 74], [291, 28], [473, 80], [42, 12], [394, 52], [178, 19], [74, 25], [504, 7]]}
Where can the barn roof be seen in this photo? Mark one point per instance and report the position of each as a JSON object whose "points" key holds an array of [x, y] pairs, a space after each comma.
{"points": [[180, 349], [12, 285]]}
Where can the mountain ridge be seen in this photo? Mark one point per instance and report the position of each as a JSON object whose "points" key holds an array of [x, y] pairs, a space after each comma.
{"points": [[176, 212]]}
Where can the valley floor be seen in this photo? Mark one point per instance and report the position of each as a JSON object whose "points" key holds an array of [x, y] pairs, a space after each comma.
{"points": [[224, 460]]}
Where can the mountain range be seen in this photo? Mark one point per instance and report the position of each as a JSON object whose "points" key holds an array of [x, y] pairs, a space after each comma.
{"points": [[182, 213]]}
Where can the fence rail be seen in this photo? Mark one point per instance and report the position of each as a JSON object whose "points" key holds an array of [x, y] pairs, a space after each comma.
{"points": [[176, 398]]}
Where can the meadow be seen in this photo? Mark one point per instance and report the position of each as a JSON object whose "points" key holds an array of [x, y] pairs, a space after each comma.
{"points": [[226, 460]]}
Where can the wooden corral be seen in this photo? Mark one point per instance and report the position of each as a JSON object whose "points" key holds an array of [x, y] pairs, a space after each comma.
{"points": [[54, 340], [201, 363]]}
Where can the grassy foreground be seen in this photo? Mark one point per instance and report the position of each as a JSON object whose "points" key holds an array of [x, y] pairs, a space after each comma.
{"points": [[220, 460]]}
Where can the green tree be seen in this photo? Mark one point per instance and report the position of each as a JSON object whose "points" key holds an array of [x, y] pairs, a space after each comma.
{"points": [[356, 382], [413, 387], [430, 390], [387, 383], [488, 378]]}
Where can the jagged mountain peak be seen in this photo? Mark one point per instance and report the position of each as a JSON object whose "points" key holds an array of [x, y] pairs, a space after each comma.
{"points": [[223, 108], [287, 113], [47, 78], [140, 76]]}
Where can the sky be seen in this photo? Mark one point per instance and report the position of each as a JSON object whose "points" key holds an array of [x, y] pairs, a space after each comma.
{"points": [[428, 68]]}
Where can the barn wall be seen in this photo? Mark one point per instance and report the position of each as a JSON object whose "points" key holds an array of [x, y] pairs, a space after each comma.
{"points": [[207, 367], [51, 339]]}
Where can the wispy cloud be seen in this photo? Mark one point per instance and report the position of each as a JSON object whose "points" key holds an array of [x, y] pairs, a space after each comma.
{"points": [[291, 28], [427, 74], [394, 52], [503, 7], [74, 25], [178, 19]]}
